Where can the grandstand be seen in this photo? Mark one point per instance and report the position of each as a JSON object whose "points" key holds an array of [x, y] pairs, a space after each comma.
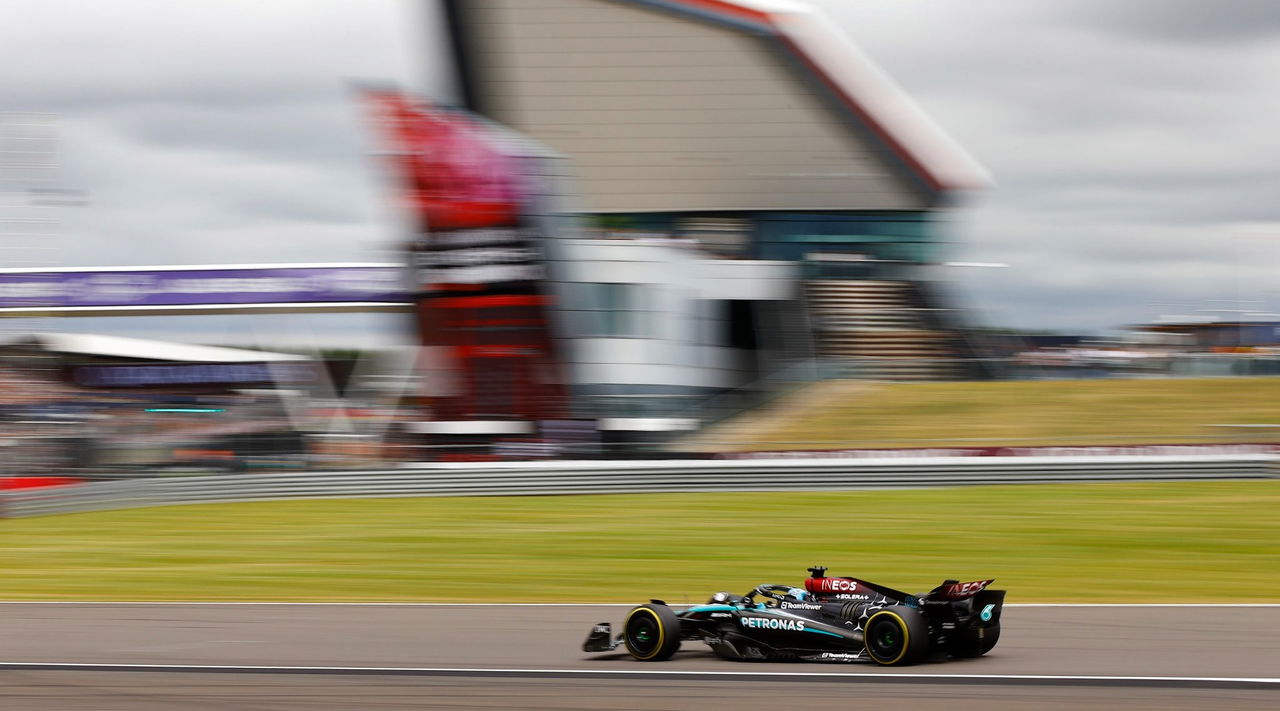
{"points": [[756, 193]]}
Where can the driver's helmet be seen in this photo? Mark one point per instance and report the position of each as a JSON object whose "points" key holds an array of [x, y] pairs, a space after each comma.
{"points": [[798, 593]]}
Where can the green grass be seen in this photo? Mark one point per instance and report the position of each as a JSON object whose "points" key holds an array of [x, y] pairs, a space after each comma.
{"points": [[1029, 412], [1148, 542]]}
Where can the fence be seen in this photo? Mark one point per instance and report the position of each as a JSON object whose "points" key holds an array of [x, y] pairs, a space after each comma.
{"points": [[629, 477]]}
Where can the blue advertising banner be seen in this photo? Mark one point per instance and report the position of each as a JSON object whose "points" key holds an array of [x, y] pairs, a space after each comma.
{"points": [[76, 289], [177, 374]]}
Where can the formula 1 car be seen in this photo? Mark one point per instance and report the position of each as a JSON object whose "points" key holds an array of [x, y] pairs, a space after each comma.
{"points": [[832, 619]]}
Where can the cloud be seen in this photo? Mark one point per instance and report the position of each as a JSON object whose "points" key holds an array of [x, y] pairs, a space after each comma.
{"points": [[1223, 22], [1129, 138], [214, 132]]}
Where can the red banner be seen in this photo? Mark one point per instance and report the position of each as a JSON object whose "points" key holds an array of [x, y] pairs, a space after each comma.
{"points": [[477, 261], [455, 178]]}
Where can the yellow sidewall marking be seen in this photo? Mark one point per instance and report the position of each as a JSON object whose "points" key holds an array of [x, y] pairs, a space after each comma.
{"points": [[906, 636], [661, 633]]}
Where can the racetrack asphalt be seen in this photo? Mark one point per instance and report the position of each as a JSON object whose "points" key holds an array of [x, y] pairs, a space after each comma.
{"points": [[493, 656]]}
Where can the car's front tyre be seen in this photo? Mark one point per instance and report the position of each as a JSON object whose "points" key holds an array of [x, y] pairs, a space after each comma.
{"points": [[651, 633]]}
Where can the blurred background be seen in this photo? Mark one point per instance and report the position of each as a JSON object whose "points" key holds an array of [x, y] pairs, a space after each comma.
{"points": [[322, 235]]}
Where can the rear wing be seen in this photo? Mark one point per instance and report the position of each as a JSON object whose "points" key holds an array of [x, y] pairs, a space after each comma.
{"points": [[956, 590]]}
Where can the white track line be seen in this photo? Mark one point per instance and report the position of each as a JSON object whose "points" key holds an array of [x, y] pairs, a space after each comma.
{"points": [[482, 671], [571, 604]]}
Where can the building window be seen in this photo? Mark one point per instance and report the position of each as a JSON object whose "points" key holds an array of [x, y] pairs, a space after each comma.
{"points": [[608, 310]]}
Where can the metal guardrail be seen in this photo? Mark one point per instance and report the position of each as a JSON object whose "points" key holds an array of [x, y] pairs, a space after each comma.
{"points": [[617, 477]]}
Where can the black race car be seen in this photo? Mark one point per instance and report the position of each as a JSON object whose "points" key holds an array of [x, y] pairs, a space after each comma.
{"points": [[830, 619]]}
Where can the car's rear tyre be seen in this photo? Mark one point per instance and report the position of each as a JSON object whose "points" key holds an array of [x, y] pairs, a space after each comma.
{"points": [[896, 635], [652, 633], [977, 642]]}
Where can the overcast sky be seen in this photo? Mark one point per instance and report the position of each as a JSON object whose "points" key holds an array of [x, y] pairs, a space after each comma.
{"points": [[1134, 143]]}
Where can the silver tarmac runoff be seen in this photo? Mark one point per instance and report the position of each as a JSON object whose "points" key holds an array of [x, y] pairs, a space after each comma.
{"points": [[106, 656]]}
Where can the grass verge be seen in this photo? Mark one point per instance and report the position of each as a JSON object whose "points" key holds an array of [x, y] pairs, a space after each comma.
{"points": [[1168, 542], [1139, 411]]}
